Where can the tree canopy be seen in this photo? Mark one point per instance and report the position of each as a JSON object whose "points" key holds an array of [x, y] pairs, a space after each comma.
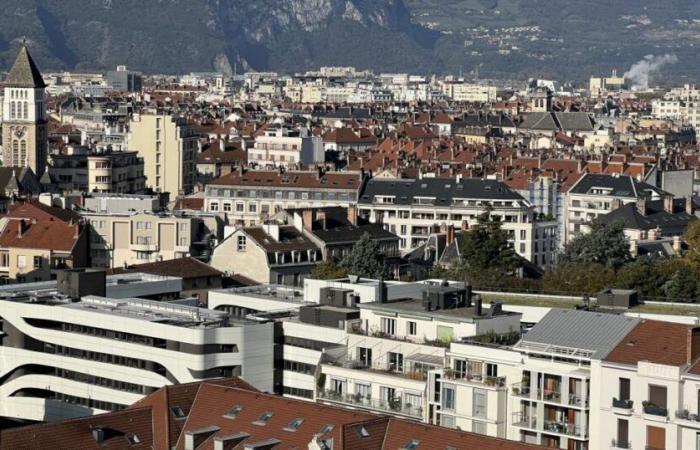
{"points": [[365, 259], [605, 244]]}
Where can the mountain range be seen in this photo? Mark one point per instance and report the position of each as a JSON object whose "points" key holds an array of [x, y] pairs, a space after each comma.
{"points": [[564, 39]]}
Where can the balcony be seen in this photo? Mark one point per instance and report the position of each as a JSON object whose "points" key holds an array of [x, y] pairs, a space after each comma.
{"points": [[650, 409], [150, 247], [377, 367], [622, 406], [566, 428], [684, 418], [393, 406], [496, 382], [553, 396], [620, 445], [523, 390], [524, 420]]}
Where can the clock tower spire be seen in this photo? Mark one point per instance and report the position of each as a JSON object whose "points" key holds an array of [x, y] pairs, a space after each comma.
{"points": [[24, 137]]}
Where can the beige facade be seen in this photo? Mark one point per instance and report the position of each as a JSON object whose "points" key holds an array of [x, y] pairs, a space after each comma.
{"points": [[120, 172], [126, 239], [168, 148], [240, 254]]}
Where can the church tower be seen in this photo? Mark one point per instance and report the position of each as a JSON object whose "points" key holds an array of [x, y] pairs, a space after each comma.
{"points": [[24, 137]]}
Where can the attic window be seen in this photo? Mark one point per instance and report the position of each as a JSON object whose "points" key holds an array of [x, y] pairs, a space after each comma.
{"points": [[133, 438], [362, 431], [233, 412], [326, 429], [411, 445], [262, 420], [178, 412], [294, 424]]}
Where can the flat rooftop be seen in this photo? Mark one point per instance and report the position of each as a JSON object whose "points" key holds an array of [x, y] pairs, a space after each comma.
{"points": [[153, 311], [414, 306], [268, 292]]}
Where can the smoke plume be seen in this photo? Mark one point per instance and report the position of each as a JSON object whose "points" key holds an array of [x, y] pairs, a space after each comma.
{"points": [[641, 72]]}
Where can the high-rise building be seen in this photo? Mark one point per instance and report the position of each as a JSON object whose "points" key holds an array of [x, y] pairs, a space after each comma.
{"points": [[24, 111]]}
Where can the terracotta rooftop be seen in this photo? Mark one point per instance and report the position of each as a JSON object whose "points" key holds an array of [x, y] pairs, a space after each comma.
{"points": [[231, 408], [656, 342], [330, 180], [46, 234], [178, 267]]}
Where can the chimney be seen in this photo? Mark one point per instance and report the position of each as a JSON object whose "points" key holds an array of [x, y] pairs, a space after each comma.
{"points": [[450, 234], [352, 214], [633, 248], [321, 217], [652, 234], [689, 206], [677, 244], [22, 228], [222, 145], [477, 306], [308, 218], [642, 206], [668, 203], [98, 434]]}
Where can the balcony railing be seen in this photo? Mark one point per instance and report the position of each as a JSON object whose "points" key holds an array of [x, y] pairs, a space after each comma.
{"points": [[616, 444], [655, 410], [551, 395], [524, 420], [622, 404], [522, 390], [567, 428], [474, 378], [380, 367], [391, 406], [685, 415]]}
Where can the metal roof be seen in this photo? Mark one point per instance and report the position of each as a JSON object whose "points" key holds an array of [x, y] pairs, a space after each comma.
{"points": [[575, 333]]}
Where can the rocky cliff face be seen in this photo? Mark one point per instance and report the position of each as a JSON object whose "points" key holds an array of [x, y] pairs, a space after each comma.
{"points": [[519, 38]]}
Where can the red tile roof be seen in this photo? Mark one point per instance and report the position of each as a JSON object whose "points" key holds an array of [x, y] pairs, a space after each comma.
{"points": [[654, 341], [330, 180], [47, 234]]}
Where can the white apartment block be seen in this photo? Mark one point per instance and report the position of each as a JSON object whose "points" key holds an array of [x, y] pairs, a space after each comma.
{"points": [[250, 197], [74, 356], [282, 147], [467, 92], [413, 208], [595, 195]]}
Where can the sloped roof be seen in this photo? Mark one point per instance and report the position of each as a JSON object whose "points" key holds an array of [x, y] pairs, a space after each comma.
{"points": [[653, 341], [24, 73], [49, 234], [179, 267], [585, 330], [655, 217]]}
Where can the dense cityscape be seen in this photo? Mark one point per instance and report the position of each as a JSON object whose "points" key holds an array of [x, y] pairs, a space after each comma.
{"points": [[347, 259]]}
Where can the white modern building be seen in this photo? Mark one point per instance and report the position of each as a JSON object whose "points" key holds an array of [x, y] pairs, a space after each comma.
{"points": [[282, 147]]}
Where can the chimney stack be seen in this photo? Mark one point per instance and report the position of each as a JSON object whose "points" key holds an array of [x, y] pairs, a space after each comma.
{"points": [[352, 214], [642, 206], [668, 203]]}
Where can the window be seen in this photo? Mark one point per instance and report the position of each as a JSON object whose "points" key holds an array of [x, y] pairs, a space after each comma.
{"points": [[388, 326], [624, 392], [413, 400], [233, 412], [460, 368], [448, 398], [178, 412], [264, 417], [294, 424], [227, 207], [411, 328], [241, 244], [447, 421], [395, 361], [364, 391], [411, 445], [364, 355], [37, 262], [214, 206], [479, 403], [133, 438], [240, 207], [657, 395], [491, 370], [21, 261], [252, 207], [622, 434]]}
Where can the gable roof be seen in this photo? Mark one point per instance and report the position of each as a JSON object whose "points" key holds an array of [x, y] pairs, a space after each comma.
{"points": [[24, 73], [48, 234], [653, 341], [620, 186]]}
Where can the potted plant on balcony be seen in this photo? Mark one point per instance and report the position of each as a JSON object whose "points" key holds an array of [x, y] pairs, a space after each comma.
{"points": [[448, 372], [394, 403], [516, 391]]}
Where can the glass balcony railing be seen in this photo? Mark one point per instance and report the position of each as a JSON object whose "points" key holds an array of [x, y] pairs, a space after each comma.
{"points": [[567, 428], [394, 406]]}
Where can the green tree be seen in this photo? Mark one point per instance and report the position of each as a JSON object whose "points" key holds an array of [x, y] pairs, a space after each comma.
{"points": [[578, 278], [365, 259], [682, 286], [647, 277], [485, 250], [605, 244], [328, 270], [692, 238]]}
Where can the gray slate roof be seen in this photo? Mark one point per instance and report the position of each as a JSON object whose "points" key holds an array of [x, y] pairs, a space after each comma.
{"points": [[443, 189], [656, 217], [592, 331], [24, 73], [555, 121], [622, 186]]}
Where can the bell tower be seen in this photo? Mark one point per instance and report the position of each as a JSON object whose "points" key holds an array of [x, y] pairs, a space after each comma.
{"points": [[24, 136]]}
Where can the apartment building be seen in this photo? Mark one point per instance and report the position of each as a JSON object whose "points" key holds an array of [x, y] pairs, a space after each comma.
{"points": [[230, 413], [250, 197], [71, 353], [270, 253], [396, 345], [468, 92], [128, 238], [37, 240], [83, 169], [595, 195], [646, 390], [168, 147], [283, 147], [412, 208]]}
